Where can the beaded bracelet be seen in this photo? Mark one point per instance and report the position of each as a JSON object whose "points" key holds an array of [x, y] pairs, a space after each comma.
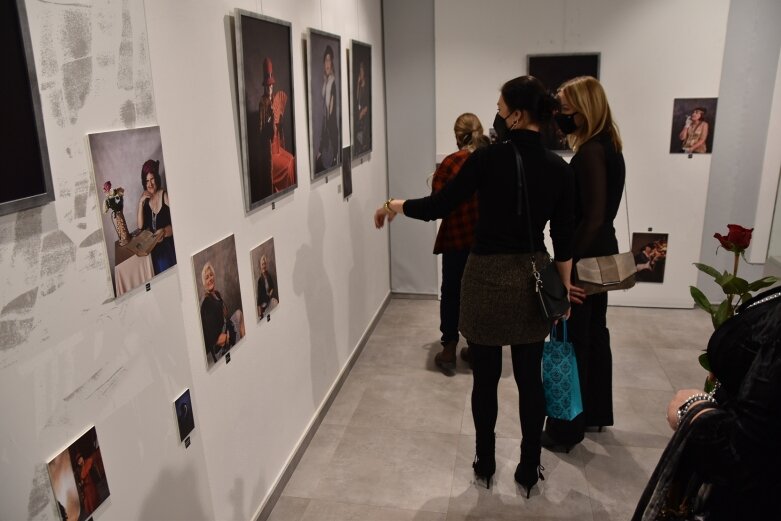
{"points": [[698, 397]]}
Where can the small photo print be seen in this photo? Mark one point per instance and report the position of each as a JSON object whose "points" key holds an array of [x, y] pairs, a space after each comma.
{"points": [[650, 252], [184, 415], [78, 478], [217, 283], [694, 123], [264, 272], [347, 172]]}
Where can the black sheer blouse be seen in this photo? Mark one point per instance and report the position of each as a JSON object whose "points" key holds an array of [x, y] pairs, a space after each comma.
{"points": [[599, 183]]}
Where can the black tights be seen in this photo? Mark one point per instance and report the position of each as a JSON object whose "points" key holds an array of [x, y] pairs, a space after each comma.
{"points": [[487, 369]]}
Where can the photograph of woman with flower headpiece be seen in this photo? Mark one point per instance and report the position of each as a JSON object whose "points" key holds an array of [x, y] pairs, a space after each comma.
{"points": [[136, 216]]}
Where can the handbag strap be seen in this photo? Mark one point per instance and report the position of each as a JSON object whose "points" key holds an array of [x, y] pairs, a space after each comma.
{"points": [[523, 200], [564, 329]]}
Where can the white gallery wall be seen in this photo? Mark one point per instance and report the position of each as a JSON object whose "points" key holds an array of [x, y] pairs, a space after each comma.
{"points": [[651, 53], [72, 356]]}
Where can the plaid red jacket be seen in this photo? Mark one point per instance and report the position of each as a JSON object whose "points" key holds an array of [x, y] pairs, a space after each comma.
{"points": [[457, 231]]}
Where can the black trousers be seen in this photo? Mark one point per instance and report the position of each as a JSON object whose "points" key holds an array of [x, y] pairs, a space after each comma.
{"points": [[487, 369], [587, 327], [453, 264]]}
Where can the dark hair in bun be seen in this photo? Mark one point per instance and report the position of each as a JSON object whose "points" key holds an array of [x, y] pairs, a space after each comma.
{"points": [[529, 94]]}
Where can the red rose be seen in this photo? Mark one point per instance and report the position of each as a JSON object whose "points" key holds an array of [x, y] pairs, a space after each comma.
{"points": [[107, 187], [737, 240]]}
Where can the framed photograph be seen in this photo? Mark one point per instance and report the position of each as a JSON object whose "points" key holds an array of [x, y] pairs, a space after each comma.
{"points": [[553, 70], [693, 127], [347, 172], [264, 272], [650, 252], [130, 183], [78, 478], [219, 295], [361, 98], [185, 417], [27, 179], [266, 111], [325, 102]]}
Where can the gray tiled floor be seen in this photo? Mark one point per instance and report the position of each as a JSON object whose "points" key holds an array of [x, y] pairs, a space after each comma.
{"points": [[398, 441]]}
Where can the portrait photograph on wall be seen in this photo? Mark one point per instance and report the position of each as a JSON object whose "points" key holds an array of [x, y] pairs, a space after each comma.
{"points": [[361, 98], [135, 205], [650, 252], [219, 296], [264, 273], [325, 102], [694, 123], [185, 418], [347, 172], [553, 70], [78, 478], [265, 80], [23, 146]]}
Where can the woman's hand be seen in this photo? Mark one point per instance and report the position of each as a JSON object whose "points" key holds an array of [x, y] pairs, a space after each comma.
{"points": [[576, 294], [380, 215], [672, 408]]}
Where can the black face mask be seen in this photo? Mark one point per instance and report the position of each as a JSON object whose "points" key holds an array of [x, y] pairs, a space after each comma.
{"points": [[500, 126], [566, 122]]}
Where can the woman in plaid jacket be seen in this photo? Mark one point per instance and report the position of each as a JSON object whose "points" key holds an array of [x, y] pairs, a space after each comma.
{"points": [[455, 237]]}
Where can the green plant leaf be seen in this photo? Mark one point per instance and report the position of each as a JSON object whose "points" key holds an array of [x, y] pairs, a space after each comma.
{"points": [[762, 283], [704, 362], [722, 313], [713, 272], [735, 285], [744, 297], [700, 300]]}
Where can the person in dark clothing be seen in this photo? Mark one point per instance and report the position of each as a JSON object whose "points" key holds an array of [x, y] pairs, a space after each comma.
{"points": [[455, 237], [599, 183], [154, 214], [498, 302], [722, 462]]}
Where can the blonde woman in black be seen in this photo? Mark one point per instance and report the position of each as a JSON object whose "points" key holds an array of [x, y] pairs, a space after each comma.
{"points": [[598, 164]]}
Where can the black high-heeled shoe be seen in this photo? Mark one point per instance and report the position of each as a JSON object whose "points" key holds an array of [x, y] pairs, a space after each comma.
{"points": [[527, 476], [484, 469]]}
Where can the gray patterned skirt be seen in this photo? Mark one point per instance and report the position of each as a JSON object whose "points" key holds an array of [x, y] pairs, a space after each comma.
{"points": [[498, 303]]}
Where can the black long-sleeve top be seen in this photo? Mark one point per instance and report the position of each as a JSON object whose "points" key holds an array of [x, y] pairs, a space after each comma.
{"points": [[599, 183], [491, 172]]}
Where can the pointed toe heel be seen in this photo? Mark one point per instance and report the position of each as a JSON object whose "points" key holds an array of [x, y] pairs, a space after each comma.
{"points": [[528, 475], [484, 469]]}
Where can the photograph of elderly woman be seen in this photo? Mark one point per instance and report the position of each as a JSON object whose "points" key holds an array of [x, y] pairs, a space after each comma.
{"points": [[694, 122], [219, 297], [325, 101], [650, 252], [78, 478], [264, 272], [134, 204]]}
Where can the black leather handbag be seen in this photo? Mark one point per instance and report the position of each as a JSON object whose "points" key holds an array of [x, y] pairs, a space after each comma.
{"points": [[550, 291]]}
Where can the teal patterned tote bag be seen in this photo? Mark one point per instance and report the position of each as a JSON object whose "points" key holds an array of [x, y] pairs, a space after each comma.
{"points": [[560, 377]]}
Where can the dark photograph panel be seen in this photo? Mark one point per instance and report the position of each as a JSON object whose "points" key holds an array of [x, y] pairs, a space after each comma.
{"points": [[185, 417], [361, 98], [553, 70], [347, 172], [325, 101], [650, 252], [266, 107], [219, 294], [78, 478], [693, 127]]}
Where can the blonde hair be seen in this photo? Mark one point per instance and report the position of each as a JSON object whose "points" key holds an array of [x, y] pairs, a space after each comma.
{"points": [[469, 132], [207, 266], [587, 97]]}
